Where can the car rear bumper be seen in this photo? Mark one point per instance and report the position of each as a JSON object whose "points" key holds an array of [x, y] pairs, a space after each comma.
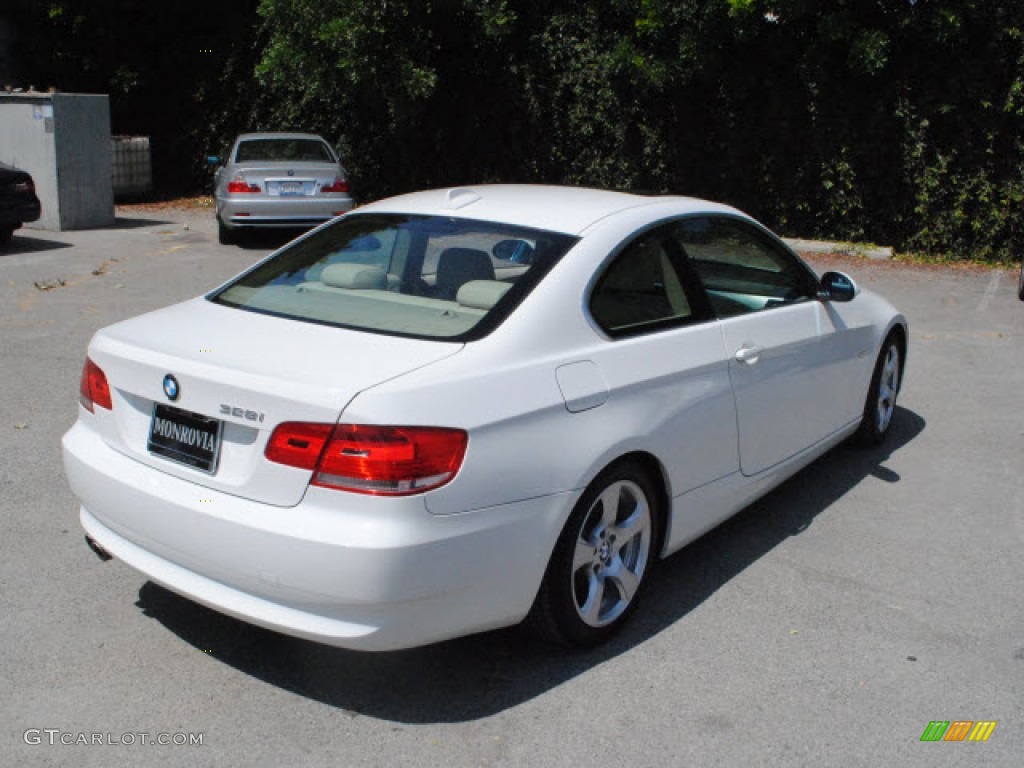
{"points": [[353, 571], [262, 211], [14, 215]]}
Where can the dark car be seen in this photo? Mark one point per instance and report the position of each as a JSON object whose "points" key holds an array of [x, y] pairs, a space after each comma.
{"points": [[18, 201]]}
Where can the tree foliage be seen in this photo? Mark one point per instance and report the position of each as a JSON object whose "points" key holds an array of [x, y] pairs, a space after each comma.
{"points": [[898, 121], [893, 120]]}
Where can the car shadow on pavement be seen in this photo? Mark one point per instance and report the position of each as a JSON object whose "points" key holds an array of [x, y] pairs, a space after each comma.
{"points": [[481, 675], [20, 245], [122, 222], [262, 239]]}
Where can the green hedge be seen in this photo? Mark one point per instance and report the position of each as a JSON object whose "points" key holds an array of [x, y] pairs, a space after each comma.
{"points": [[894, 121]]}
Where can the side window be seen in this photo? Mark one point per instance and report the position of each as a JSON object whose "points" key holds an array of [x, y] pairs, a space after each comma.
{"points": [[741, 268], [640, 291]]}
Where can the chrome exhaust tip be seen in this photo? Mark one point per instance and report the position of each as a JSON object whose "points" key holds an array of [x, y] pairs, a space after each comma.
{"points": [[101, 553]]}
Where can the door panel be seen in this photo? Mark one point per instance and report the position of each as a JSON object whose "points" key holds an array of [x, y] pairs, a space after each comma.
{"points": [[782, 403], [779, 340], [672, 390]]}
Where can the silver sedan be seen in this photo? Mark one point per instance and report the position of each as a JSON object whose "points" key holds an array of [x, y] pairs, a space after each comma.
{"points": [[279, 180]]}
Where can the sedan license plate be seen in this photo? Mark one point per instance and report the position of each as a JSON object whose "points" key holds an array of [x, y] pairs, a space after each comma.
{"points": [[185, 437], [290, 187]]}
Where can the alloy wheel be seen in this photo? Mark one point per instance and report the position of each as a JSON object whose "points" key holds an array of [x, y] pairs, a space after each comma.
{"points": [[611, 553], [888, 386]]}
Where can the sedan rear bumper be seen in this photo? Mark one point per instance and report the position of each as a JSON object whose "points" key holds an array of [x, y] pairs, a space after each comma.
{"points": [[13, 215], [263, 211], [353, 571]]}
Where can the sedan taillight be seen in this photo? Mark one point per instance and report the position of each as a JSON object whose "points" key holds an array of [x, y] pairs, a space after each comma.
{"points": [[338, 185], [93, 388], [381, 461], [240, 185], [297, 444]]}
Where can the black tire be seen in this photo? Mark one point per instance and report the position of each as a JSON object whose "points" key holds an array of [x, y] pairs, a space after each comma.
{"points": [[880, 404], [585, 603], [6, 233], [225, 235], [1020, 282]]}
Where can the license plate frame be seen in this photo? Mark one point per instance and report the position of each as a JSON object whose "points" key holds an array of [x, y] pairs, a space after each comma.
{"points": [[198, 448]]}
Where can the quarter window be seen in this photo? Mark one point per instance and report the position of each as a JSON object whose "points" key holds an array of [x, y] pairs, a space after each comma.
{"points": [[641, 290], [741, 268]]}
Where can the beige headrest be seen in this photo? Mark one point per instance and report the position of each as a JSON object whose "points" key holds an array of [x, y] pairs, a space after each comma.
{"points": [[481, 294], [357, 276]]}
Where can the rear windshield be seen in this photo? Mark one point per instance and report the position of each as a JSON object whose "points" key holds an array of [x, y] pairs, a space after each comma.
{"points": [[295, 150], [420, 276]]}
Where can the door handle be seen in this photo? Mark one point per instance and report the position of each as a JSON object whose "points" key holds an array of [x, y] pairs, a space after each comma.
{"points": [[749, 354]]}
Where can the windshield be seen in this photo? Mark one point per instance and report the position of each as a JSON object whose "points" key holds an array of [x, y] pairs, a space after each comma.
{"points": [[421, 276], [294, 150]]}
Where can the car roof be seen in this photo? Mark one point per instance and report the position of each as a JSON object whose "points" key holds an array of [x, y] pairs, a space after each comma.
{"points": [[569, 210], [278, 135]]}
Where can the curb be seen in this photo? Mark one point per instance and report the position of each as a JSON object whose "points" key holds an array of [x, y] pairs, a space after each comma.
{"points": [[874, 252]]}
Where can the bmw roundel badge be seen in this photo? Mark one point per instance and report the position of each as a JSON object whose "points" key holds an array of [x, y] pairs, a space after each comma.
{"points": [[171, 388]]}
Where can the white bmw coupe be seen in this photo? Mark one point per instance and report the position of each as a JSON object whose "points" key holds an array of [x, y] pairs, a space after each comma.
{"points": [[455, 410]]}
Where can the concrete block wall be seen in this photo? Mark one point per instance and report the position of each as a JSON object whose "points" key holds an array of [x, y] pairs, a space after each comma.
{"points": [[25, 144], [63, 140]]}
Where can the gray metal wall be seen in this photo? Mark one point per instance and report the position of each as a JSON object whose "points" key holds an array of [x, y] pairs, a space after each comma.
{"points": [[63, 140]]}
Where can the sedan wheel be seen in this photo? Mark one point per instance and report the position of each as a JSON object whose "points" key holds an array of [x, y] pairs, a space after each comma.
{"points": [[881, 401], [225, 235], [601, 559]]}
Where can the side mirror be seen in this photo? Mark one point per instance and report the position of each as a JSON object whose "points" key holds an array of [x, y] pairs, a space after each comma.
{"points": [[516, 251], [836, 286], [362, 244]]}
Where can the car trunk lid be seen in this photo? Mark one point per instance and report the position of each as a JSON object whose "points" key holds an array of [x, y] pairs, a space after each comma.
{"points": [[290, 179], [245, 373]]}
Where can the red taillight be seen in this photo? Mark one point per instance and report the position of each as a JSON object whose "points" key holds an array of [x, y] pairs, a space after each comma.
{"points": [[338, 185], [93, 389], [383, 461], [298, 445], [240, 185]]}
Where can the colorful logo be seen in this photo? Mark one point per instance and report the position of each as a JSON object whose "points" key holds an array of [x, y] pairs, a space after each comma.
{"points": [[958, 730], [171, 388]]}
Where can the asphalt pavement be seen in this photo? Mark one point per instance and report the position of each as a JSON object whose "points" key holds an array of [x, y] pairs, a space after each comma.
{"points": [[826, 625]]}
